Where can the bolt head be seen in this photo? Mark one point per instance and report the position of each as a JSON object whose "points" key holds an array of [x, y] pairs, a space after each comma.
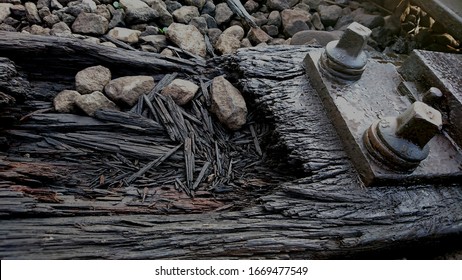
{"points": [[348, 51], [419, 123], [432, 96]]}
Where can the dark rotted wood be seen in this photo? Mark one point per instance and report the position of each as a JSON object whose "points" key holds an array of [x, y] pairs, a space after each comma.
{"points": [[11, 82], [326, 214], [62, 56]]}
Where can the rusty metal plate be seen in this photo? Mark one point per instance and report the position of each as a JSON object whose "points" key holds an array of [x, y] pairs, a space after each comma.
{"points": [[354, 106]]}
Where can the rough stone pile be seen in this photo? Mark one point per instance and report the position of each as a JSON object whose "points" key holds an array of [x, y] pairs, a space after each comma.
{"points": [[210, 27], [94, 90]]}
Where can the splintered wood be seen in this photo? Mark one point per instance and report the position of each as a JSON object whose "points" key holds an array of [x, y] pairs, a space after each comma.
{"points": [[154, 157]]}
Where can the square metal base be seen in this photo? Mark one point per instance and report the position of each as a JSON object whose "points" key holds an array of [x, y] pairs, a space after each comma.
{"points": [[354, 106]]}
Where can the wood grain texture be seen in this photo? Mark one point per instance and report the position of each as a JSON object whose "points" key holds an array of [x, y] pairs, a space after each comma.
{"points": [[325, 214]]}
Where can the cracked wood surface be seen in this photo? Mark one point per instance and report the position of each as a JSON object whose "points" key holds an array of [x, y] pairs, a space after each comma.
{"points": [[326, 214]]}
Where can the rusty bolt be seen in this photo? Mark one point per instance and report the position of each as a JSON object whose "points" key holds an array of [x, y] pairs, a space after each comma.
{"points": [[419, 123], [401, 142], [432, 96], [345, 58]]}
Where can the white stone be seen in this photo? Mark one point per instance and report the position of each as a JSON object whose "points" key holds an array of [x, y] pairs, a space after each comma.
{"points": [[92, 79], [188, 38], [4, 11], [136, 11], [126, 90], [64, 102], [228, 104], [181, 91], [230, 40], [124, 34], [90, 103]]}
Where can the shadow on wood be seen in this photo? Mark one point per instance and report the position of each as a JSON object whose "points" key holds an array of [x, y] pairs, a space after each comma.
{"points": [[326, 214]]}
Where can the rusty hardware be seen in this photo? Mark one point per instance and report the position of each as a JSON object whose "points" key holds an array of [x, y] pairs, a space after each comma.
{"points": [[401, 143], [345, 58], [430, 70], [383, 92], [432, 96]]}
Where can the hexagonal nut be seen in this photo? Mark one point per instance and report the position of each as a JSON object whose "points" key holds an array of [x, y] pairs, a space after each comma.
{"points": [[419, 123]]}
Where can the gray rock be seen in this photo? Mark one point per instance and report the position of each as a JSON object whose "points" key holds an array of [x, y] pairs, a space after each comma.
{"points": [[90, 103], [251, 6], [136, 11], [148, 48], [235, 31], [127, 90], [32, 14], [118, 19], [271, 30], [89, 23], [314, 4], [76, 10], [211, 22], [7, 27], [330, 14], [172, 5], [17, 11], [181, 91], [295, 20], [51, 20], [150, 30], [159, 42], [185, 14], [370, 21], [90, 3], [167, 52], [92, 79], [197, 3], [277, 41], [343, 22], [188, 38], [165, 17], [124, 34], [43, 3], [43, 12], [280, 5], [258, 36], [66, 18], [214, 35], [314, 36], [223, 13], [200, 23], [109, 44], [5, 11], [260, 18], [61, 29], [39, 30], [64, 102], [245, 43], [55, 5], [209, 8], [316, 21], [274, 18], [228, 104], [302, 6], [102, 10], [230, 40], [92, 40]]}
